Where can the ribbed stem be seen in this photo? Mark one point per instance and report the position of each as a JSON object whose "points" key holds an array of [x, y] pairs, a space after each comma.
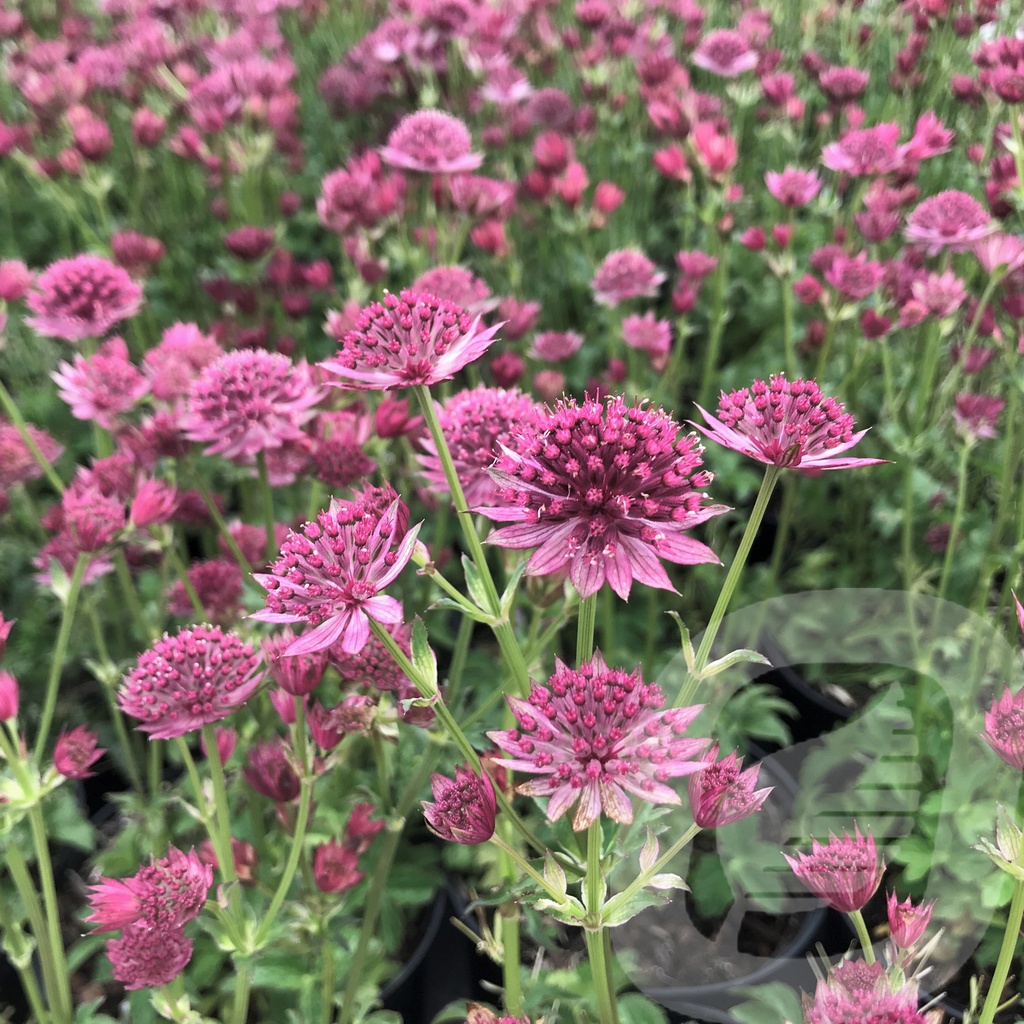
{"points": [[597, 950], [1009, 944]]}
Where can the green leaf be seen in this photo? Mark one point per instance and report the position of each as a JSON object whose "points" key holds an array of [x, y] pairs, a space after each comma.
{"points": [[554, 875], [649, 853], [635, 1008], [475, 583], [684, 639], [733, 658], [628, 909], [423, 659], [667, 881], [508, 598], [450, 605], [772, 1003]]}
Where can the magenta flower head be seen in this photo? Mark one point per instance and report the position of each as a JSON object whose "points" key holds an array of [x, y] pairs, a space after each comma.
{"points": [[432, 142], [464, 807], [295, 674], [335, 867], [720, 793], [270, 771], [907, 920], [249, 401], [950, 220], [596, 736], [332, 572], [82, 297], [785, 423], [856, 992], [625, 274], [726, 53], [9, 696], [793, 187], [76, 752], [184, 682], [603, 490], [148, 957], [167, 893], [475, 423], [1004, 728], [844, 873], [102, 387], [408, 339]]}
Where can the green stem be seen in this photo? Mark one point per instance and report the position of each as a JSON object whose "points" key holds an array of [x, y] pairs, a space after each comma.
{"points": [[457, 666], [382, 771], [182, 573], [862, 935], [14, 415], [131, 598], [958, 515], [689, 687], [59, 653], [826, 347], [1010, 936], [267, 498], [585, 629], [788, 338], [243, 990], [623, 897], [718, 318], [327, 981], [510, 945], [933, 349], [600, 964], [782, 531], [221, 820], [222, 527]]}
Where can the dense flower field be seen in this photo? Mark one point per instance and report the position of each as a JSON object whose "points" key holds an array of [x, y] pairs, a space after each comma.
{"points": [[418, 419]]}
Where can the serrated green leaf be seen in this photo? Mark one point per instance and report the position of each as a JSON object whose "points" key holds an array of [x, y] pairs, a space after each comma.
{"points": [[554, 875], [476, 615], [628, 909], [649, 853], [508, 598], [667, 881], [474, 582], [684, 639], [733, 658], [423, 659]]}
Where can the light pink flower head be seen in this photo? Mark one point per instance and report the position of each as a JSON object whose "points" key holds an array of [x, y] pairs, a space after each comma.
{"points": [[147, 957], [977, 416], [17, 464], [475, 424], [720, 793], [726, 53], [856, 992], [248, 401], [864, 151], [101, 388], [907, 920], [331, 574], [463, 808], [1000, 250], [75, 752], [625, 274], [793, 187], [554, 346], [854, 277], [605, 491], [785, 423], [649, 334], [845, 872], [197, 677], [408, 339], [457, 285], [950, 220], [82, 297], [184, 350], [1004, 728], [843, 84], [433, 142], [597, 735]]}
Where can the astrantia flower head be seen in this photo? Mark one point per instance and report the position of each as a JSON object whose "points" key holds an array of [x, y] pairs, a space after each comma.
{"points": [[845, 872], [977, 416], [603, 490], [863, 151], [720, 793], [475, 423], [433, 142], [950, 220], [856, 992], [1004, 728], [331, 574], [463, 809], [296, 674], [554, 346], [17, 464], [183, 682], [785, 423], [82, 297], [649, 334], [907, 920], [725, 52], [76, 752], [597, 735], [459, 285], [249, 401], [373, 665], [625, 274], [147, 957], [793, 187], [101, 387], [408, 339]]}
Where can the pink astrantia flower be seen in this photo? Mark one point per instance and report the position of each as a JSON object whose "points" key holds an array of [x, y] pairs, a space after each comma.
{"points": [[603, 490], [941, 294], [843, 85], [183, 682], [845, 872], [785, 423], [855, 277], [598, 736], [457, 285], [147, 957], [17, 464], [554, 346], [720, 793], [625, 274], [295, 674], [335, 867], [373, 665], [166, 893], [76, 752], [433, 142], [726, 53], [218, 585], [865, 151], [249, 401], [408, 339], [649, 334], [907, 920], [856, 992], [332, 572], [463, 808], [976, 416], [82, 297], [475, 424], [1004, 727], [184, 350], [793, 187], [950, 220], [101, 387], [9, 694]]}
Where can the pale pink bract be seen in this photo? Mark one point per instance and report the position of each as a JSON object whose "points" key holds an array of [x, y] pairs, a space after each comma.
{"points": [[432, 142]]}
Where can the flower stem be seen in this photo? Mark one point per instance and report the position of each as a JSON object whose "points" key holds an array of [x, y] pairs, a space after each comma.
{"points": [[958, 515], [1010, 936], [862, 935], [510, 960], [20, 954], [211, 506], [600, 963], [717, 320], [59, 653], [645, 876], [267, 499], [689, 687], [585, 629]]}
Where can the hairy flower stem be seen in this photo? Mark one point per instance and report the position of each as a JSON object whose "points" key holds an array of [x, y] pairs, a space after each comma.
{"points": [[585, 629], [1009, 944], [597, 950], [59, 653], [690, 684], [862, 935], [301, 823], [510, 649], [14, 415]]}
